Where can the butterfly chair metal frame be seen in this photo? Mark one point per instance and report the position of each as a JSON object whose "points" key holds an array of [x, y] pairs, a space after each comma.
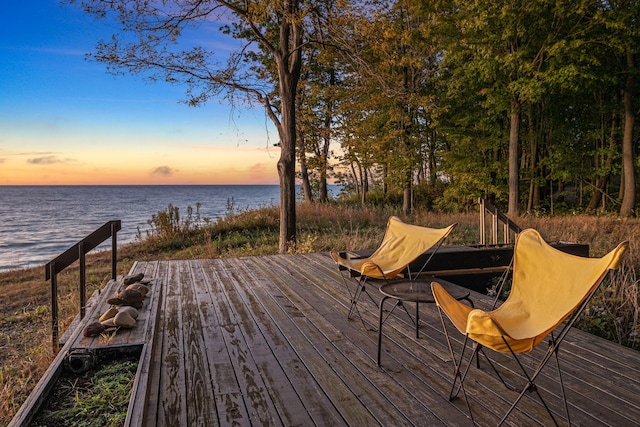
{"points": [[401, 245], [485, 330]]}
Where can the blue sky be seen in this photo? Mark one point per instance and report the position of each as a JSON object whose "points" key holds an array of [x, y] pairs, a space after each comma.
{"points": [[65, 120]]}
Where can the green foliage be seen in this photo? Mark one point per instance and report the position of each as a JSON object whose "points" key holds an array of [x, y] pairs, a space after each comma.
{"points": [[168, 223], [236, 229], [430, 95]]}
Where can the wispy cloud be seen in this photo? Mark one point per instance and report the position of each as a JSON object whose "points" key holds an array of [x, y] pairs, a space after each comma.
{"points": [[49, 160], [260, 170], [2, 160], [164, 171], [37, 153]]}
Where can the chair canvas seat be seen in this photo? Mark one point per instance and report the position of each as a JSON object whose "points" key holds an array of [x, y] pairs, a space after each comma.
{"points": [[401, 245], [548, 287]]}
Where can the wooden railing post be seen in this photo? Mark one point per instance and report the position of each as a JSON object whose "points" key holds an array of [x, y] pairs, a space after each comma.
{"points": [[483, 237], [114, 249], [83, 279], [54, 306], [78, 253], [496, 218]]}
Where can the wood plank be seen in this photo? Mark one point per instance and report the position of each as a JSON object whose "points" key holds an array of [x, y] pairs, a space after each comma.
{"points": [[228, 398], [273, 321], [244, 372], [172, 408], [359, 357], [146, 405], [122, 337], [98, 298], [317, 357], [147, 315], [143, 380], [263, 338], [197, 377]]}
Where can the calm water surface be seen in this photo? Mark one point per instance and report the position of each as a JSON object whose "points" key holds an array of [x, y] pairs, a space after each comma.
{"points": [[40, 222]]}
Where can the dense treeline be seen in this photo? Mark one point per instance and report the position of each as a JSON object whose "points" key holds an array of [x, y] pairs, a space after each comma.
{"points": [[529, 103]]}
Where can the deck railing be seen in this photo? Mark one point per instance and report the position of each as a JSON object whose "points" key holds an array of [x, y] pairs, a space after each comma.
{"points": [[71, 255], [497, 217]]}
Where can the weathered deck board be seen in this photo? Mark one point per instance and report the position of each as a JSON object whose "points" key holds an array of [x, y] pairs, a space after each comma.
{"points": [[265, 341], [321, 313], [347, 363]]}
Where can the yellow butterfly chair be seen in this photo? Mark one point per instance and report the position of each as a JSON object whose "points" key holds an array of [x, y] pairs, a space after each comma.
{"points": [[548, 287], [401, 245]]}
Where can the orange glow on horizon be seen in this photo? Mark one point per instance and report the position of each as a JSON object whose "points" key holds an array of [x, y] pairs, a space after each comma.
{"points": [[220, 165]]}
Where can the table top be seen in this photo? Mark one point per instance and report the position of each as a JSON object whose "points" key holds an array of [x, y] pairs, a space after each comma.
{"points": [[420, 290]]}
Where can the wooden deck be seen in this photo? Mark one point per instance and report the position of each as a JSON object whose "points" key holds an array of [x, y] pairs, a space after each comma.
{"points": [[264, 341]]}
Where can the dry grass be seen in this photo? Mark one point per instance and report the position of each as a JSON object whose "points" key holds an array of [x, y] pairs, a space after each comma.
{"points": [[25, 330], [25, 324]]}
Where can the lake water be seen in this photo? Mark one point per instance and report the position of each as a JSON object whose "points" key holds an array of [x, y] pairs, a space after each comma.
{"points": [[38, 223]]}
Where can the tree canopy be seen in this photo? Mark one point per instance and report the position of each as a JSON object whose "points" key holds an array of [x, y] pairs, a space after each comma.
{"points": [[530, 104]]}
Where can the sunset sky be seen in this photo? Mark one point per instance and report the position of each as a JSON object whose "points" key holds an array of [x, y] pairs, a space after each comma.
{"points": [[65, 120]]}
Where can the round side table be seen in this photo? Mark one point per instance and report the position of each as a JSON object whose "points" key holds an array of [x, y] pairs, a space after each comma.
{"points": [[416, 292]]}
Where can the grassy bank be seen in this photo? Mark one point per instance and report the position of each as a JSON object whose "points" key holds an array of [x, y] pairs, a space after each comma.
{"points": [[25, 333]]}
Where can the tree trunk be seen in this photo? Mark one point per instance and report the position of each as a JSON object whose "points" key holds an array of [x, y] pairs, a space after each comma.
{"points": [[598, 192], [629, 195], [356, 179], [324, 164], [433, 177], [514, 177], [365, 184], [326, 139], [601, 182], [289, 61], [532, 184], [286, 170], [406, 198], [304, 172]]}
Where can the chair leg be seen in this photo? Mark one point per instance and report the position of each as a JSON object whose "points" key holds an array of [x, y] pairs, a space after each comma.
{"points": [[457, 363], [380, 322], [476, 348], [531, 386], [355, 298], [564, 395], [354, 301], [351, 294], [495, 370]]}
